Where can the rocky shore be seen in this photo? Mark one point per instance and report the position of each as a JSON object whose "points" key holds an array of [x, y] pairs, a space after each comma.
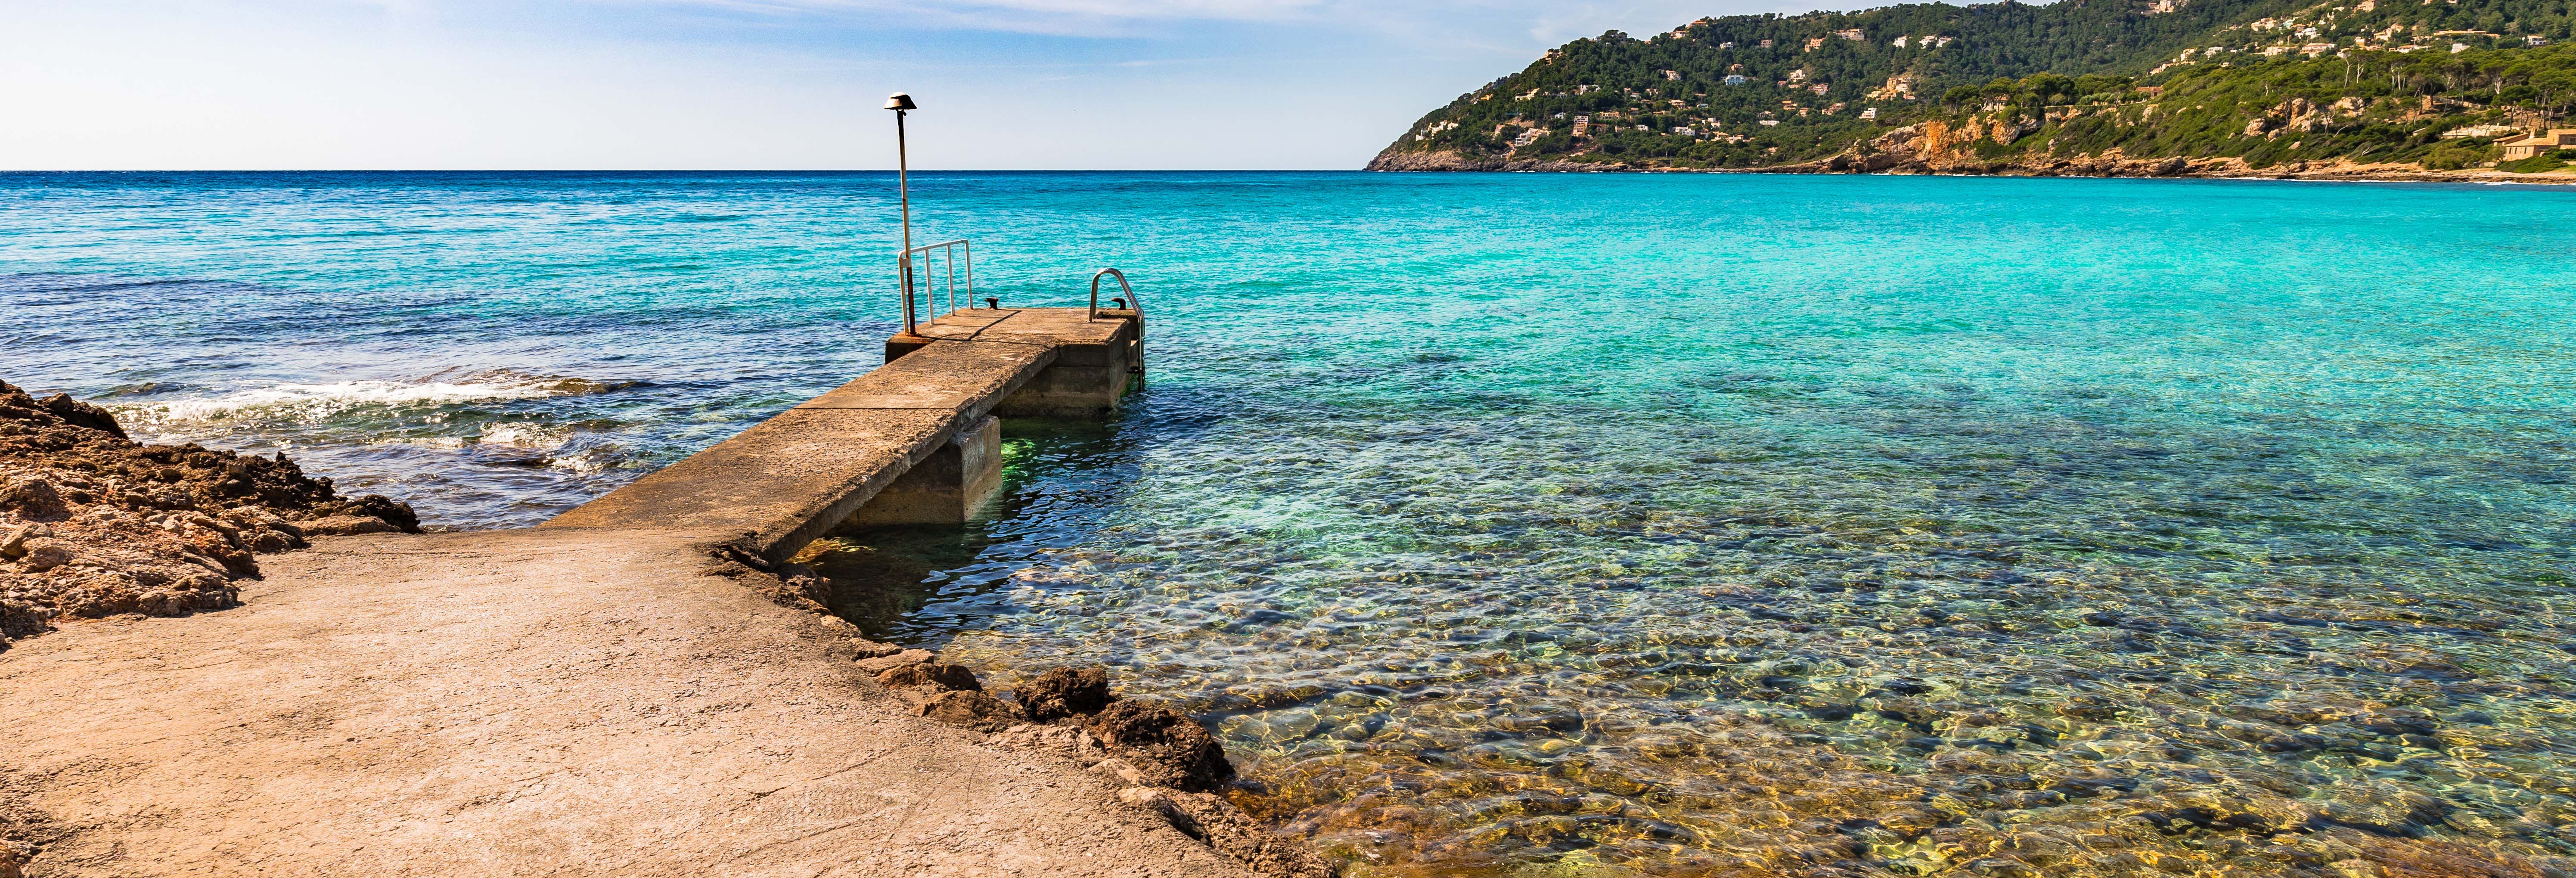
{"points": [[1163, 760], [93, 523], [96, 525], [1938, 148]]}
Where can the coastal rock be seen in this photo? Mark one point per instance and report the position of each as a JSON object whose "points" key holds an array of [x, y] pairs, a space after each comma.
{"points": [[932, 674], [45, 556], [1230, 831], [35, 498], [349, 525], [81, 414], [868, 649], [881, 664], [93, 523], [1064, 693], [13, 545], [1172, 749], [971, 709], [1396, 160]]}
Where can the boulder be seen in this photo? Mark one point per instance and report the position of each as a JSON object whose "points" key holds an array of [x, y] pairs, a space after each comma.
{"points": [[970, 709], [1063, 693], [44, 556], [33, 497], [1172, 749], [81, 414], [13, 545], [932, 674]]}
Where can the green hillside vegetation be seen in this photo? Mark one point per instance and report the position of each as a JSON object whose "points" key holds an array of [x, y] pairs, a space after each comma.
{"points": [[2362, 81]]}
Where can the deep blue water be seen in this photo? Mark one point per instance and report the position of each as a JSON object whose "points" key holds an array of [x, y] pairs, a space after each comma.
{"points": [[1529, 524]]}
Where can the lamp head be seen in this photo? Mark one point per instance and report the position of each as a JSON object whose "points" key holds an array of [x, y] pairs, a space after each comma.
{"points": [[900, 101]]}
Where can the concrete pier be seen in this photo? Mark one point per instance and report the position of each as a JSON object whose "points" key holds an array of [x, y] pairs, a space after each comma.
{"points": [[916, 441], [594, 696]]}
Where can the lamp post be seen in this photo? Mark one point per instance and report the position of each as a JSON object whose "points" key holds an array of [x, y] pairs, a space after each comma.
{"points": [[900, 103]]}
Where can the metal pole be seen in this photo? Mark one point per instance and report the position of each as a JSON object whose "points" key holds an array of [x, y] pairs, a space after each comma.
{"points": [[903, 186]]}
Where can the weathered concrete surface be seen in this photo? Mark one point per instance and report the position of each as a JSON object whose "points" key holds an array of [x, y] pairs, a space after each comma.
{"points": [[953, 484], [1095, 365], [796, 476], [554, 701]]}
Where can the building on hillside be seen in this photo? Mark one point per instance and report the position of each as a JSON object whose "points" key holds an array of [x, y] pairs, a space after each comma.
{"points": [[1685, 131], [2535, 40], [1735, 79], [1798, 75], [2314, 49], [1818, 88], [1854, 35], [2481, 131], [1900, 42], [1814, 43], [1766, 44], [2457, 48], [2530, 145], [1582, 125], [1870, 113], [1672, 76]]}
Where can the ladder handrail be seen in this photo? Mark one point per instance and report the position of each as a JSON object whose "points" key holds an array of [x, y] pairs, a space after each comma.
{"points": [[950, 250], [1134, 304]]}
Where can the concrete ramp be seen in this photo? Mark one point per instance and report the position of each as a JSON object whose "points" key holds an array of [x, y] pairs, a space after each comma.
{"points": [[915, 441]]}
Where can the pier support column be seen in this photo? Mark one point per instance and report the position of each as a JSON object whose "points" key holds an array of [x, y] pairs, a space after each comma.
{"points": [[1086, 380], [951, 486]]}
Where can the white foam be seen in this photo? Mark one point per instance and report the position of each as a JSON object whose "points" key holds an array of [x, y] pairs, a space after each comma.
{"points": [[524, 435], [307, 403]]}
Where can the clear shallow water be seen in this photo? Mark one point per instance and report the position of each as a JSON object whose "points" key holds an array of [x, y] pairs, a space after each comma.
{"points": [[1551, 525]]}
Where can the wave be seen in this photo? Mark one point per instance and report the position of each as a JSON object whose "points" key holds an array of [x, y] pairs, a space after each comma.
{"points": [[316, 402]]}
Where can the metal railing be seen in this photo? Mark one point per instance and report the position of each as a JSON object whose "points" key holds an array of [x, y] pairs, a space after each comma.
{"points": [[951, 257], [1133, 304]]}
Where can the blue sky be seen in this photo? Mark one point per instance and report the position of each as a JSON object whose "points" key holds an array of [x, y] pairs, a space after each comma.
{"points": [[756, 84]]}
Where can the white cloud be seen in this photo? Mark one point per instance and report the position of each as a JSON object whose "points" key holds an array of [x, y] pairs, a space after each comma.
{"points": [[751, 84]]}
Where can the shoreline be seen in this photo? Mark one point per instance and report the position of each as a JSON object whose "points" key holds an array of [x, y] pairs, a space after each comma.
{"points": [[1898, 164], [452, 672]]}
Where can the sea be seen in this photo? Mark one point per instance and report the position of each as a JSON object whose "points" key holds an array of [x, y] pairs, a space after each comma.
{"points": [[1525, 524]]}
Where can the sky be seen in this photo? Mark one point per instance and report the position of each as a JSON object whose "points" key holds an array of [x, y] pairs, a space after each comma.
{"points": [[758, 84]]}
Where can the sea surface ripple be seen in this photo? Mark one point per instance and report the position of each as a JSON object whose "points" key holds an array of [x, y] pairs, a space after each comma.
{"points": [[1548, 525]]}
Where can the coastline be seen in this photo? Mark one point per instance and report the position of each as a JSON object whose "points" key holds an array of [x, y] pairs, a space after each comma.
{"points": [[1892, 164], [531, 668]]}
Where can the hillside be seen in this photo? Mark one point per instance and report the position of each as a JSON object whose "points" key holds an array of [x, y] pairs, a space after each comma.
{"points": [[2080, 86]]}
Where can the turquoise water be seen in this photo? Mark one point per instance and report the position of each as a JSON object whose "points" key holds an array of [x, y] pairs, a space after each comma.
{"points": [[1522, 524]]}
